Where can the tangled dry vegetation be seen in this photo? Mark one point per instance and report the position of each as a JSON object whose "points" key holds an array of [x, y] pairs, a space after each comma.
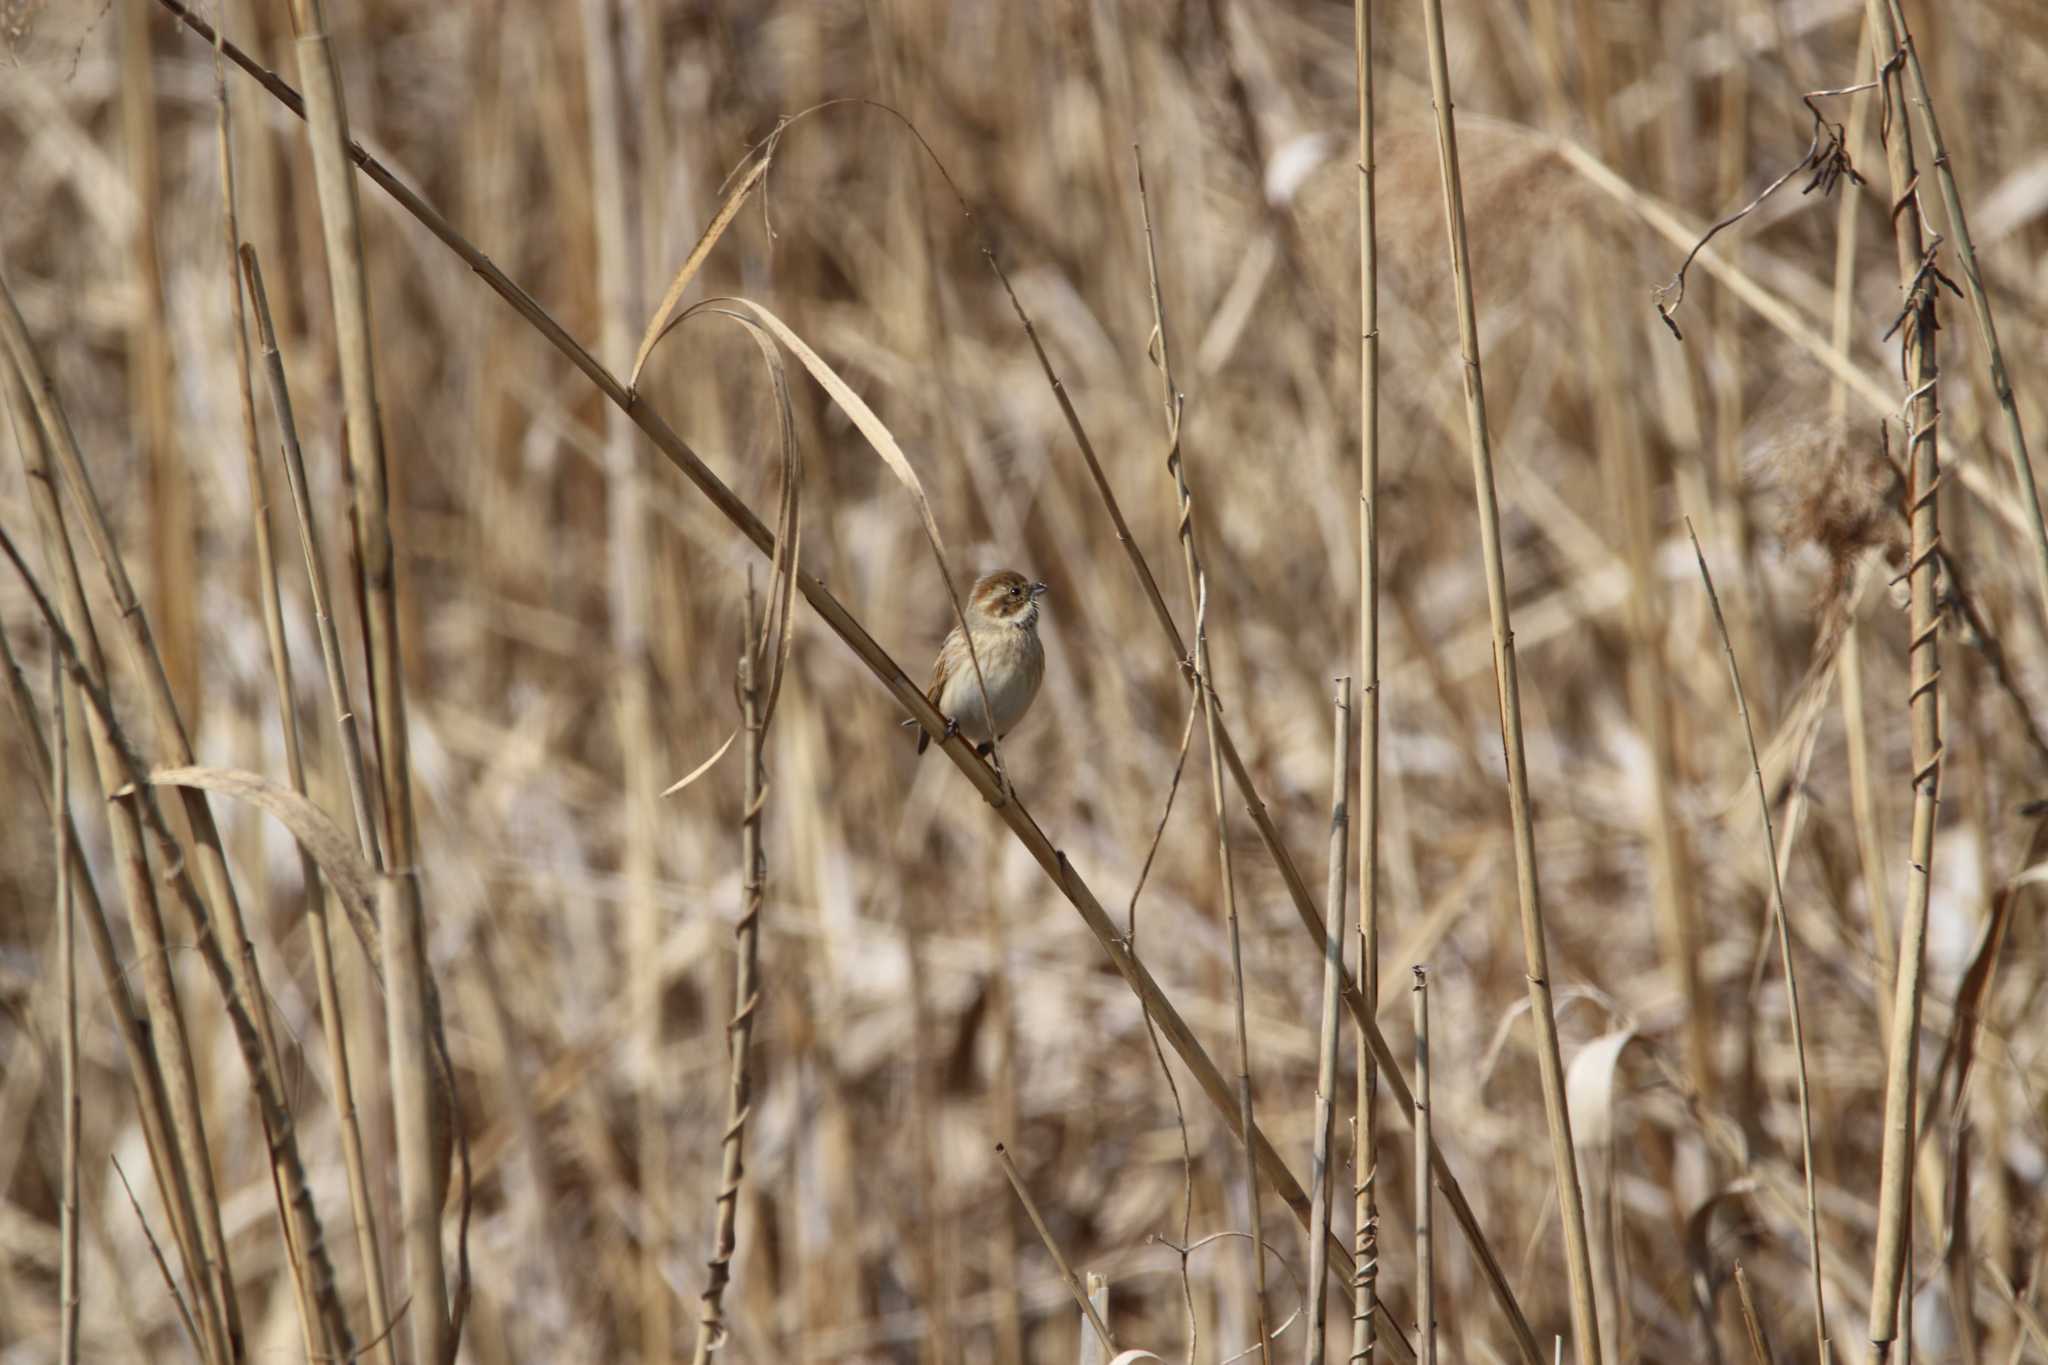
{"points": [[569, 612]]}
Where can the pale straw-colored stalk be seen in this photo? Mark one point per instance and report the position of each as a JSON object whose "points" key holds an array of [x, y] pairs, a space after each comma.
{"points": [[1918, 286], [1320, 1171], [1570, 1199]]}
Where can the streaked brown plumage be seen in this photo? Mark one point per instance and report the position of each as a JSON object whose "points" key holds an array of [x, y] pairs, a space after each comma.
{"points": [[1003, 613]]}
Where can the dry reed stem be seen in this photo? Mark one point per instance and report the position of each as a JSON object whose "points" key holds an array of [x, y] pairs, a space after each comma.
{"points": [[912, 700], [224, 938], [296, 1212], [369, 1251], [130, 1022], [1365, 1143], [1571, 1202], [1918, 287], [1191, 562], [1784, 927], [420, 1120], [1052, 1248], [69, 1290], [194, 1206], [315, 1330], [1425, 1196], [1326, 1052], [156, 1252], [1973, 289], [1093, 1351], [173, 532], [746, 999], [334, 665]]}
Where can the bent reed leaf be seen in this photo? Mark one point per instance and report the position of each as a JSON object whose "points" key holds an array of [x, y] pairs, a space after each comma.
{"points": [[659, 325], [334, 850]]}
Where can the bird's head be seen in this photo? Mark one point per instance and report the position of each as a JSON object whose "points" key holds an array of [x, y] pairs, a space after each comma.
{"points": [[1006, 598]]}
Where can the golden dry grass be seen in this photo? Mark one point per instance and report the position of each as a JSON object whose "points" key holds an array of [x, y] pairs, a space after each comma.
{"points": [[571, 612]]}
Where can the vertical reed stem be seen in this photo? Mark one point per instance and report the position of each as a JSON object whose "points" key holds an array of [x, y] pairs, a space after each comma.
{"points": [[1366, 1142], [1570, 1199], [68, 1293], [1326, 1060], [746, 999], [1425, 1193], [1917, 288], [1191, 563]]}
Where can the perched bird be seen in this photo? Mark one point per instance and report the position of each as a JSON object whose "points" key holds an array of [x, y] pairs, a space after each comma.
{"points": [[1003, 612]]}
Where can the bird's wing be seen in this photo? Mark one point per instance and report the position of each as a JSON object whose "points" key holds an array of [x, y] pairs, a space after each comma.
{"points": [[943, 666]]}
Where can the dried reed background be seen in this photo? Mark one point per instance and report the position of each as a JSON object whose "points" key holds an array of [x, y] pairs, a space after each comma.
{"points": [[571, 611]]}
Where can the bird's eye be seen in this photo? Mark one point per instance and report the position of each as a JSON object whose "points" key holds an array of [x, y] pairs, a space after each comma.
{"points": [[1016, 592]]}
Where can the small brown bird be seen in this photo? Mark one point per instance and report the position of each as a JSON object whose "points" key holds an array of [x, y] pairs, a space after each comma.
{"points": [[1003, 612]]}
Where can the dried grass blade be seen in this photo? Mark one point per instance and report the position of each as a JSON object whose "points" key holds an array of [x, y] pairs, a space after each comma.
{"points": [[327, 843], [659, 325]]}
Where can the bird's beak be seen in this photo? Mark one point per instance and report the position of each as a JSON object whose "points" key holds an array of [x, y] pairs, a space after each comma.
{"points": [[1039, 590]]}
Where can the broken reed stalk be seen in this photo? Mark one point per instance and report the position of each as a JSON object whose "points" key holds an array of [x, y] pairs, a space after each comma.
{"points": [[419, 1117], [369, 1250], [1326, 1056], [1919, 282], [1425, 1197], [1191, 563], [1973, 285], [746, 999], [68, 1291], [1092, 1350], [192, 1202], [1784, 927], [1365, 1142], [1570, 1198], [1052, 1248], [908, 696]]}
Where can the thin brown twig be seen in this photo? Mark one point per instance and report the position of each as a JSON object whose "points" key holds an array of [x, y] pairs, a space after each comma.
{"points": [[1827, 156], [162, 1266], [1052, 1248]]}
